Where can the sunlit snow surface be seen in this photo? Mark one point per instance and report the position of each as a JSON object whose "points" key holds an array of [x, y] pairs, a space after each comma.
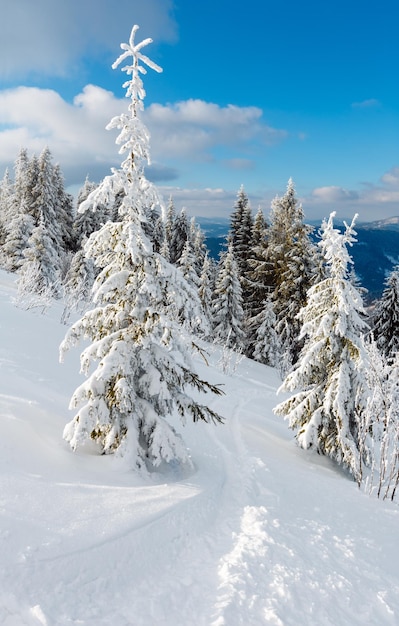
{"points": [[261, 533]]}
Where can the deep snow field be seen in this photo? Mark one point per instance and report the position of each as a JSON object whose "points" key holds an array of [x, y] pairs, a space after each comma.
{"points": [[260, 533]]}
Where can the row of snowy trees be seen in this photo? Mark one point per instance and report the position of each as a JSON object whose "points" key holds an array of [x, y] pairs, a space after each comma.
{"points": [[42, 238], [36, 216], [251, 297]]}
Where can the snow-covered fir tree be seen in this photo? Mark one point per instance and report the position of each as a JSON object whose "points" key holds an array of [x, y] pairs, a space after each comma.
{"points": [[78, 284], [258, 281], [64, 210], [157, 230], [259, 244], [187, 264], [6, 210], [329, 379], [170, 223], [227, 307], [294, 264], [18, 232], [206, 287], [37, 199], [40, 270], [18, 222], [385, 325], [241, 226], [43, 198], [380, 426], [88, 221], [144, 369], [266, 348], [197, 238], [21, 179]]}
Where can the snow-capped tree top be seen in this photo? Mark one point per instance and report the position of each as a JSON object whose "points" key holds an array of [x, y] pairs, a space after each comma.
{"points": [[138, 192], [333, 245], [135, 89]]}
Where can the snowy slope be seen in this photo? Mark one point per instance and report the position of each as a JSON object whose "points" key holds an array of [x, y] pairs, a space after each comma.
{"points": [[260, 533]]}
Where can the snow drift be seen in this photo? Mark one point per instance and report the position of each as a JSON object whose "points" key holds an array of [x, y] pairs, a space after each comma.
{"points": [[260, 532]]}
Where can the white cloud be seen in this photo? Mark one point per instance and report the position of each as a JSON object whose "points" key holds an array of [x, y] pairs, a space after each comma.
{"points": [[392, 177], [75, 132], [194, 127], [379, 195], [333, 193], [385, 193], [371, 201], [46, 36], [206, 202]]}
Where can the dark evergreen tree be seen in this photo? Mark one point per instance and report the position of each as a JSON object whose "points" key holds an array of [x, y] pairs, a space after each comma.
{"points": [[258, 280], [179, 236], [158, 232], [294, 262], [385, 324], [241, 224], [206, 287], [227, 308], [64, 211]]}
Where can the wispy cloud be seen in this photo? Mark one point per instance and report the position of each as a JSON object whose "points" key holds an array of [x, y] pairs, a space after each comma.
{"points": [[371, 103], [195, 126], [239, 164], [391, 178], [208, 202], [371, 197], [333, 193]]}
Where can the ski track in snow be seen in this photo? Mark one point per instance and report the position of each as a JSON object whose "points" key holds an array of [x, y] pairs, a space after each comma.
{"points": [[260, 533]]}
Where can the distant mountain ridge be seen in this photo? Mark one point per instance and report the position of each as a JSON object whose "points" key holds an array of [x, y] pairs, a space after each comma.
{"points": [[375, 254], [389, 223]]}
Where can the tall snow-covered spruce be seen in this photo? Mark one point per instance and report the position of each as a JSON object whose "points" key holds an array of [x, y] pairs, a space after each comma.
{"points": [[330, 376], [143, 365]]}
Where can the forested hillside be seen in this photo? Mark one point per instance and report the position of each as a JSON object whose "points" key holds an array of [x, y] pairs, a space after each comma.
{"points": [[375, 254]]}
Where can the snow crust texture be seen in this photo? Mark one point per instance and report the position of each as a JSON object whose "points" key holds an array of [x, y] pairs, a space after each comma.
{"points": [[259, 532]]}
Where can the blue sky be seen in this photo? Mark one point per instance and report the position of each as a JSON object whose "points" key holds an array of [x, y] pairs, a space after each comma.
{"points": [[252, 94]]}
